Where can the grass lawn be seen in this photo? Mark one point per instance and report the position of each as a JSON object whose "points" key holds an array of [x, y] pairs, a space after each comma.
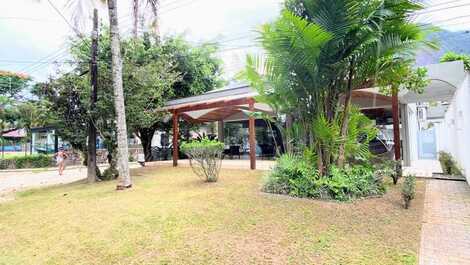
{"points": [[171, 217]]}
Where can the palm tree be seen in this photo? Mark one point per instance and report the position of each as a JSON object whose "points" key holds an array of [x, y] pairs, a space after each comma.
{"points": [[124, 180], [319, 50], [154, 4]]}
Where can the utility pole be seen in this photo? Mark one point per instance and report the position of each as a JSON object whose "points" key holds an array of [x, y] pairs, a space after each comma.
{"points": [[91, 162]]}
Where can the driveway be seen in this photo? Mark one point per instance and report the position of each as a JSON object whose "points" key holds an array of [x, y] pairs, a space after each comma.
{"points": [[445, 234]]}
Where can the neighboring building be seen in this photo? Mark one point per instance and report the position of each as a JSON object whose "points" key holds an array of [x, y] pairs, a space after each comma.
{"points": [[438, 120], [13, 141], [44, 140], [434, 121]]}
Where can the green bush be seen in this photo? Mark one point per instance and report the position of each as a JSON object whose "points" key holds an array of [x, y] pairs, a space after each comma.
{"points": [[30, 161], [408, 190], [110, 173], [354, 182], [293, 176], [448, 164], [205, 157]]}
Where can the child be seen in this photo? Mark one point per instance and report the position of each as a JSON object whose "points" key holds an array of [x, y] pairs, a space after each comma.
{"points": [[60, 159]]}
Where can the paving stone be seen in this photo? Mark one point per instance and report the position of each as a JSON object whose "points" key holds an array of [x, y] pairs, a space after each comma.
{"points": [[445, 233]]}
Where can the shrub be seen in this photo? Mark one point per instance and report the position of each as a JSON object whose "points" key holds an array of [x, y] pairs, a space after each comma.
{"points": [[389, 168], [293, 176], [354, 181], [205, 157], [110, 173], [448, 164], [30, 161], [408, 190]]}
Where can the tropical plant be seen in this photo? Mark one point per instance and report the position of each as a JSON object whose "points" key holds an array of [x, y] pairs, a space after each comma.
{"points": [[448, 164], [294, 175], [409, 190], [205, 157], [452, 56], [319, 51]]}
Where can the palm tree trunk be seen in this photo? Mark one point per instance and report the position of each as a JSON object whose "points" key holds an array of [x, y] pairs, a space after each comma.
{"points": [[124, 180], [135, 10], [91, 164], [345, 120]]}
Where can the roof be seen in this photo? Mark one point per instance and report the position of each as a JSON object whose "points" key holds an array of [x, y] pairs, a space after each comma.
{"points": [[226, 93], [19, 133]]}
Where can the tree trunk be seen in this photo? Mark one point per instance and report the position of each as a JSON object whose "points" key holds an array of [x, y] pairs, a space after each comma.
{"points": [[345, 120], [288, 137], [124, 180], [135, 10], [91, 165]]}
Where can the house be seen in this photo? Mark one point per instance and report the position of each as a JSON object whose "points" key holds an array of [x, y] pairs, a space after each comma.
{"points": [[446, 100], [13, 140], [437, 120]]}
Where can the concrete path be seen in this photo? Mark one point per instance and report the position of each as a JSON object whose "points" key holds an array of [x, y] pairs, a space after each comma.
{"points": [[16, 180], [445, 234]]}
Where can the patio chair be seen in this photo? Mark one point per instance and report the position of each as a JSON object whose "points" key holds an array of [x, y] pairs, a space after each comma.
{"points": [[234, 151]]}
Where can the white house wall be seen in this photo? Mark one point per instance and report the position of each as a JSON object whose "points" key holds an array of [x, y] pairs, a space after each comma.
{"points": [[457, 127]]}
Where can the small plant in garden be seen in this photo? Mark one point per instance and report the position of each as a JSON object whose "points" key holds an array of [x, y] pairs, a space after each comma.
{"points": [[408, 190], [448, 164], [389, 168], [205, 157]]}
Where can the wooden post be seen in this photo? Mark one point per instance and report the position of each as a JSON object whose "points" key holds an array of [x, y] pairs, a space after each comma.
{"points": [[252, 135], [220, 131], [175, 138], [396, 124]]}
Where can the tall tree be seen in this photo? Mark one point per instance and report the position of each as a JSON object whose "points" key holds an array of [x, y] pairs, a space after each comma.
{"points": [[91, 163], [124, 180], [137, 16], [319, 51]]}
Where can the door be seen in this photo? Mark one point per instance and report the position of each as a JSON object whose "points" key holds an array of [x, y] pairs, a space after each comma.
{"points": [[427, 143]]}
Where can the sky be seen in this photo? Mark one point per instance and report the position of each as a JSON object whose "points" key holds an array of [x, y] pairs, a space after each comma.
{"points": [[33, 35]]}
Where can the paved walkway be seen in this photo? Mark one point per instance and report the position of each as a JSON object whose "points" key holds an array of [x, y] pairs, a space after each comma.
{"points": [[445, 234]]}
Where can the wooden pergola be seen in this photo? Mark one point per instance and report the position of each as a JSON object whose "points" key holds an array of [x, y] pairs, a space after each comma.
{"points": [[219, 105]]}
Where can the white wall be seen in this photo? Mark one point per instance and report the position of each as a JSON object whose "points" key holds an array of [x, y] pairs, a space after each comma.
{"points": [[457, 127]]}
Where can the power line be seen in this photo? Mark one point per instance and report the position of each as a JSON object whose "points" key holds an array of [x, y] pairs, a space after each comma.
{"points": [[440, 9], [444, 3], [65, 19]]}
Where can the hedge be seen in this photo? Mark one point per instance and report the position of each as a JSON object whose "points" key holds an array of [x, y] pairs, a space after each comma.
{"points": [[30, 161]]}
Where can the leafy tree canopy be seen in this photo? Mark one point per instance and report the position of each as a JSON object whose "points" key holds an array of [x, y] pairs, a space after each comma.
{"points": [[12, 83]]}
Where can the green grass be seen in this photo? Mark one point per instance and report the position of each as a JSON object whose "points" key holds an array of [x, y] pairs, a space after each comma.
{"points": [[171, 217]]}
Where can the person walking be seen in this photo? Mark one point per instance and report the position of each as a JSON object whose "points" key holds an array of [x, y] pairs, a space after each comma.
{"points": [[61, 156]]}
